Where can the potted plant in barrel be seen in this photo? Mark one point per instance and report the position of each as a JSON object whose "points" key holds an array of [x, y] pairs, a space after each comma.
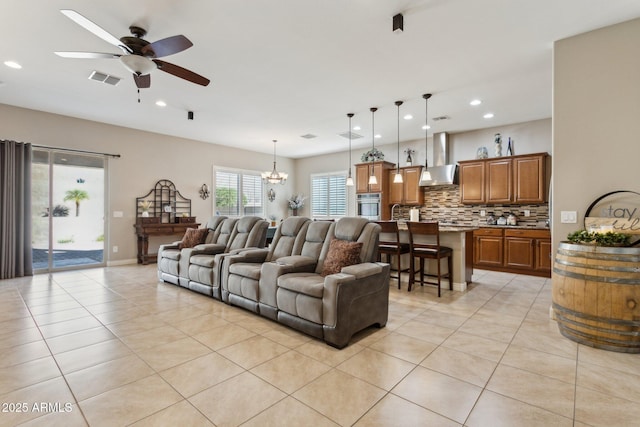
{"points": [[608, 238], [595, 284]]}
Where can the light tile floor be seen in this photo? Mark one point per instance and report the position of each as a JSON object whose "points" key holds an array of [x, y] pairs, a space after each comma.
{"points": [[114, 347]]}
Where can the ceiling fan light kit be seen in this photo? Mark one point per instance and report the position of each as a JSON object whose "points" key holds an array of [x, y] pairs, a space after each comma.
{"points": [[138, 55]]}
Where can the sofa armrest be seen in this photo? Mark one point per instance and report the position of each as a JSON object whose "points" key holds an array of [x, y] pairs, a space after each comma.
{"points": [[270, 271], [206, 249], [250, 255], [296, 262], [352, 283]]}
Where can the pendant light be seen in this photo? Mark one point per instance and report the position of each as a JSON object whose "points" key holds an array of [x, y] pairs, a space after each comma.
{"points": [[426, 175], [372, 178], [349, 182], [397, 179], [274, 177]]}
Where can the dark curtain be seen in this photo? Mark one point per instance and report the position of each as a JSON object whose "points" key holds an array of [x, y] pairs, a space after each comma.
{"points": [[15, 209]]}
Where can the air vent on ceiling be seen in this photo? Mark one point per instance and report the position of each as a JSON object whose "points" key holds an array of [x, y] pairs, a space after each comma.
{"points": [[104, 78], [353, 135], [308, 136], [437, 119]]}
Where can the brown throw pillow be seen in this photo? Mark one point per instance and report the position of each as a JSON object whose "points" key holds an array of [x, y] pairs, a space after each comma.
{"points": [[341, 254], [193, 237]]}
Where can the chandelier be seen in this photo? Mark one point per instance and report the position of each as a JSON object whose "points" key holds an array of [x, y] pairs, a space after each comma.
{"points": [[274, 177]]}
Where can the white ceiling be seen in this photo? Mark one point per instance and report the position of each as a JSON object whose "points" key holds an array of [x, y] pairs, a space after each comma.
{"points": [[280, 69]]}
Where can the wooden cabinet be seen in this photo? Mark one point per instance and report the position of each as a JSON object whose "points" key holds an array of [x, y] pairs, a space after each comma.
{"points": [[529, 176], [513, 250], [543, 260], [518, 249], [379, 170], [409, 191], [511, 180], [487, 247], [472, 182], [499, 183]]}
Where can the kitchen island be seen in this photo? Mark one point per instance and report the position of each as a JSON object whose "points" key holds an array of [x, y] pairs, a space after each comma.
{"points": [[460, 239]]}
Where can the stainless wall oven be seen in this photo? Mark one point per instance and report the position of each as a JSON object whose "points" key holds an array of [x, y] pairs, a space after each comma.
{"points": [[369, 206]]}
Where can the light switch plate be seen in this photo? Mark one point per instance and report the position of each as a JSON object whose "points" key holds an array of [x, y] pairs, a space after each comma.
{"points": [[568, 217], [117, 214], [527, 212]]}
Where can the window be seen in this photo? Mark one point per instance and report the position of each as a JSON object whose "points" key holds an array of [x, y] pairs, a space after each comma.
{"points": [[329, 195], [238, 193]]}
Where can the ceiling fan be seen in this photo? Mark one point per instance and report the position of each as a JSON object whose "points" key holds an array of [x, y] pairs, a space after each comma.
{"points": [[139, 56]]}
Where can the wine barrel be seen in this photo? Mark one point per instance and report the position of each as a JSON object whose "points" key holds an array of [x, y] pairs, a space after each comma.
{"points": [[596, 296]]}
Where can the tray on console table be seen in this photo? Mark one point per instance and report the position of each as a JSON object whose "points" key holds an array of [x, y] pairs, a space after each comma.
{"points": [[146, 227]]}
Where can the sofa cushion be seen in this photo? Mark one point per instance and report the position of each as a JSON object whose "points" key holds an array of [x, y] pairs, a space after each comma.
{"points": [[193, 237], [311, 284], [246, 269], [171, 254], [203, 260], [341, 254]]}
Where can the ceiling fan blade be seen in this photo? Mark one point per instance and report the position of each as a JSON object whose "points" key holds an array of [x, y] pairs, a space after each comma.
{"points": [[94, 28], [87, 55], [143, 81], [168, 46], [183, 73]]}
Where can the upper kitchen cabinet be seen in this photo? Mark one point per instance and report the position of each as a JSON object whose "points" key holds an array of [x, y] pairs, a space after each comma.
{"points": [[408, 192], [503, 180], [530, 178], [499, 184], [365, 170], [472, 181]]}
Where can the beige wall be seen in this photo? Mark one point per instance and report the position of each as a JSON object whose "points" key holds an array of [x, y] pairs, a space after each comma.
{"points": [[596, 119], [146, 158]]}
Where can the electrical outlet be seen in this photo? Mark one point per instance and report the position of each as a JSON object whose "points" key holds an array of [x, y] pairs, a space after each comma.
{"points": [[115, 249], [568, 217], [527, 212], [483, 213]]}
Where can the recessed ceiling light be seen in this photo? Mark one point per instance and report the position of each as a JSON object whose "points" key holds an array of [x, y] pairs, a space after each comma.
{"points": [[408, 117], [425, 127], [12, 64], [475, 102], [488, 116], [357, 128], [161, 103], [378, 136]]}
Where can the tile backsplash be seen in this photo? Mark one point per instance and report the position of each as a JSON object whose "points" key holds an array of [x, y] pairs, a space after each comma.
{"points": [[442, 203]]}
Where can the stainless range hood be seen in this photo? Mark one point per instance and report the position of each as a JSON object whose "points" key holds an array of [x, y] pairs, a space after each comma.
{"points": [[442, 173]]}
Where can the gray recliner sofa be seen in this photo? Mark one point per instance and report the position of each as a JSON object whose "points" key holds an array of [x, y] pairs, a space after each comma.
{"points": [[169, 255], [314, 246], [204, 268], [335, 306], [289, 281], [241, 273]]}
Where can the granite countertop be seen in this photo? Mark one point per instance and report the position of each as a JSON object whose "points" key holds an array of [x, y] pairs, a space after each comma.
{"points": [[448, 228], [459, 228], [524, 227]]}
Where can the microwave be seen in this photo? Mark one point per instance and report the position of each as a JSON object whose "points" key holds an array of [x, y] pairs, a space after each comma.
{"points": [[368, 206]]}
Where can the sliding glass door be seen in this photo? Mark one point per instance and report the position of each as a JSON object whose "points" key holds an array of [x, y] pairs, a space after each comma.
{"points": [[68, 210]]}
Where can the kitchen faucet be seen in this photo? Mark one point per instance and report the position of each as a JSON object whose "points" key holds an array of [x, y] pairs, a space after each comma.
{"points": [[393, 210]]}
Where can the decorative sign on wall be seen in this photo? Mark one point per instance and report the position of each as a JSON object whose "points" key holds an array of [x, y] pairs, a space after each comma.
{"points": [[615, 211]]}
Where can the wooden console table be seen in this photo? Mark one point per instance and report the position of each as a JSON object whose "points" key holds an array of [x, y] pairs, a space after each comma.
{"points": [[145, 229]]}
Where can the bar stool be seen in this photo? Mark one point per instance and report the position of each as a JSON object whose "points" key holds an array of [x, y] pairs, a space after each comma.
{"points": [[428, 247], [391, 247]]}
